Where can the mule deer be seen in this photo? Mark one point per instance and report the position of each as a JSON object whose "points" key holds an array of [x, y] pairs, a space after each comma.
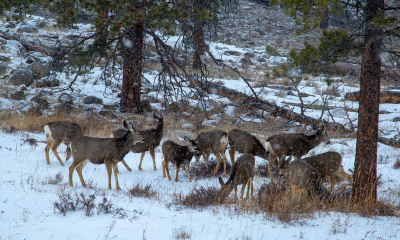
{"points": [[151, 140], [109, 151], [244, 142], [242, 173], [178, 155], [297, 144], [329, 164], [58, 132], [215, 142], [303, 175]]}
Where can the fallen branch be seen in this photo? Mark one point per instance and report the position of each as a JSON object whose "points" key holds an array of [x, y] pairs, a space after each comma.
{"points": [[389, 141], [30, 45], [275, 110]]}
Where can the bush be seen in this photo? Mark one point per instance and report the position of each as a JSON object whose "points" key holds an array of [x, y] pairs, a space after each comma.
{"points": [[199, 198], [139, 191]]}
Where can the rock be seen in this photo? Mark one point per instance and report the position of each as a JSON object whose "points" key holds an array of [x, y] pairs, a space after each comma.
{"points": [[11, 25], [277, 60], [107, 113], [246, 61], [28, 29], [234, 53], [63, 108], [40, 23], [92, 100], [39, 70], [5, 104], [396, 119], [249, 54], [42, 102], [32, 108], [14, 47], [47, 82], [66, 98], [4, 59], [3, 69], [254, 34], [18, 95], [21, 75]]}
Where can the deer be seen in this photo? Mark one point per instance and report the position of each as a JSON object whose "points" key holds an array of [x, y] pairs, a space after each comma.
{"points": [[108, 151], [60, 132], [242, 173], [215, 142], [244, 142], [151, 140], [292, 144], [329, 164], [178, 155], [302, 175]]}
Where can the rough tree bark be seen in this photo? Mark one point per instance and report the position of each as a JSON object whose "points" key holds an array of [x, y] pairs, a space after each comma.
{"points": [[198, 35], [365, 174], [133, 65]]}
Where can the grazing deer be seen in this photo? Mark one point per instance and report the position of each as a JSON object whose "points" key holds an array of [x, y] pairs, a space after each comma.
{"points": [[58, 132], [215, 142], [151, 140], [297, 144], [109, 151], [302, 175], [178, 155], [242, 173], [329, 164]]}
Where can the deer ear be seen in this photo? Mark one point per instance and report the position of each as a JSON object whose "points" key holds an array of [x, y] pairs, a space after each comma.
{"points": [[186, 138], [125, 124]]}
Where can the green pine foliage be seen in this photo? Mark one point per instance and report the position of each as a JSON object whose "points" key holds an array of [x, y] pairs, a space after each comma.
{"points": [[333, 45]]}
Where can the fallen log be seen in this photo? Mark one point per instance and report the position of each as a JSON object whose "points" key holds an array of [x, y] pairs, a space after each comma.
{"points": [[29, 45], [275, 110], [389, 141]]}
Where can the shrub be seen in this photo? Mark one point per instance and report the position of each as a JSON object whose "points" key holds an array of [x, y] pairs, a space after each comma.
{"points": [[139, 191], [199, 197]]}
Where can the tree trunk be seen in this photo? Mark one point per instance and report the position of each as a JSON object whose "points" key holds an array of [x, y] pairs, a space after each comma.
{"points": [[133, 67], [365, 175], [198, 35]]}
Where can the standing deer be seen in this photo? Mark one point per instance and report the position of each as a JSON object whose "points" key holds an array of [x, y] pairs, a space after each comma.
{"points": [[329, 164], [151, 140], [215, 142], [109, 151], [244, 142], [297, 144], [178, 155], [58, 132], [242, 173]]}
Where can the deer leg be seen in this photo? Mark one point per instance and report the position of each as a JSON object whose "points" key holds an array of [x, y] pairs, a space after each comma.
{"points": [[54, 149], [167, 169], [47, 150], [141, 160], [71, 172], [188, 172], [341, 173], [271, 162], [68, 153], [232, 154], [235, 193], [251, 191], [109, 170], [163, 168], [218, 163], [79, 171], [207, 156], [126, 165], [115, 167], [153, 156], [242, 191], [178, 166]]}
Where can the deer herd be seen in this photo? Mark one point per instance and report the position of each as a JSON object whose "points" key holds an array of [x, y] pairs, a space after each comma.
{"points": [[307, 173]]}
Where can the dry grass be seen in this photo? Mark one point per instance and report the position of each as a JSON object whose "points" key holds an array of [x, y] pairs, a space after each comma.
{"points": [[199, 198], [201, 171]]}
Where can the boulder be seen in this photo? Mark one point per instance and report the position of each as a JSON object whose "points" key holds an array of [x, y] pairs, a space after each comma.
{"points": [[92, 100], [18, 95], [47, 82], [66, 98], [3, 69], [39, 70], [21, 75], [42, 102]]}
